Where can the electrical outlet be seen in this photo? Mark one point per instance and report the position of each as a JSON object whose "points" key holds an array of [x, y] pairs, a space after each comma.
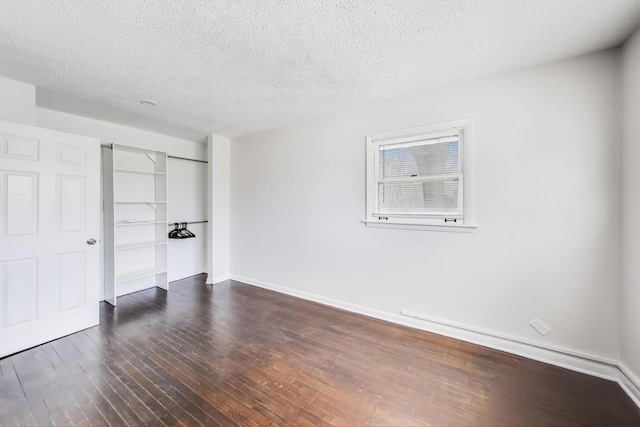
{"points": [[540, 327]]}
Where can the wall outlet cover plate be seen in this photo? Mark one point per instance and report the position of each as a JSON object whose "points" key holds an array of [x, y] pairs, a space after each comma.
{"points": [[540, 327]]}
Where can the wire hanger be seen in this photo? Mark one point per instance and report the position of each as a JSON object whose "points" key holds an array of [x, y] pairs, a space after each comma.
{"points": [[180, 231], [173, 234]]}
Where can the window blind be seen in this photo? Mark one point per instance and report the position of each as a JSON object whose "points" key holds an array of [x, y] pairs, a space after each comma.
{"points": [[420, 177]]}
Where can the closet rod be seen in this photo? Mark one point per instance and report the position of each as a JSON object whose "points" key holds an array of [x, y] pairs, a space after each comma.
{"points": [[182, 222], [185, 158], [171, 157]]}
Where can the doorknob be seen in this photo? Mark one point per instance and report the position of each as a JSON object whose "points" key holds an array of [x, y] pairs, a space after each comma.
{"points": [[91, 242]]}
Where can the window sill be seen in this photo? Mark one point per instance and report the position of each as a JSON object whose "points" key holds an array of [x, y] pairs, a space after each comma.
{"points": [[459, 228]]}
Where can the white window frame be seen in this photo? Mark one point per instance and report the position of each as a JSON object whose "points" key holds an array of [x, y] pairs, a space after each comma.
{"points": [[458, 223]]}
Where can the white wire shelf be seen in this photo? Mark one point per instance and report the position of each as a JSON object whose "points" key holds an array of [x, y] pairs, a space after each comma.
{"points": [[127, 224], [138, 274], [141, 172], [137, 245]]}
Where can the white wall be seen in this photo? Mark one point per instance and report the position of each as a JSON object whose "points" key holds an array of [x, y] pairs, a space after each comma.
{"points": [[187, 180], [119, 134], [17, 102], [219, 152], [630, 295], [187, 202], [546, 202]]}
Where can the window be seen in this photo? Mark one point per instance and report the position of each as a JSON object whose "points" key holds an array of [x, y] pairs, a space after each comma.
{"points": [[418, 176]]}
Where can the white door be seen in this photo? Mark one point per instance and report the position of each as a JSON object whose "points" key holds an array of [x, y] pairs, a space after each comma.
{"points": [[49, 214]]}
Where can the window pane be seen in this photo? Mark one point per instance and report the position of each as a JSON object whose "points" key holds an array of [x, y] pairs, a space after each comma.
{"points": [[431, 197], [419, 160]]}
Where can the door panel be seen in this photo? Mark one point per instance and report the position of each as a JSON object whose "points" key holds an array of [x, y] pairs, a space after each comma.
{"points": [[70, 199], [22, 148], [49, 209], [72, 155], [19, 281], [20, 202], [71, 279]]}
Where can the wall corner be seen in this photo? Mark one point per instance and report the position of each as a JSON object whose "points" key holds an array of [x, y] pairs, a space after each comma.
{"points": [[17, 102], [218, 208]]}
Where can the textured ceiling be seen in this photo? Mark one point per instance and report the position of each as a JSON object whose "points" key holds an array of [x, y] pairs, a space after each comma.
{"points": [[237, 67]]}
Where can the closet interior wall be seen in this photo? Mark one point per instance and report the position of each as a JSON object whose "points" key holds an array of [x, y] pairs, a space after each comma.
{"points": [[187, 202]]}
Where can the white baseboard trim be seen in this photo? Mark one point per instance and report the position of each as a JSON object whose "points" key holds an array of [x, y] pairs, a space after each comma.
{"points": [[508, 338], [214, 280], [596, 366], [629, 383]]}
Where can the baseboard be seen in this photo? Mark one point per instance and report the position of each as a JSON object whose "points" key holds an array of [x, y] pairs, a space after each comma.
{"points": [[214, 280], [569, 359], [629, 383], [508, 338]]}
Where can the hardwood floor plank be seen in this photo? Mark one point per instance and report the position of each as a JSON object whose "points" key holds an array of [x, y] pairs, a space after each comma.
{"points": [[148, 374], [92, 415], [31, 379], [214, 392], [232, 354], [100, 403], [130, 408]]}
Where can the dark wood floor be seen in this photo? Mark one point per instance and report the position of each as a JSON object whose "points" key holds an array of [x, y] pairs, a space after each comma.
{"points": [[232, 354]]}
